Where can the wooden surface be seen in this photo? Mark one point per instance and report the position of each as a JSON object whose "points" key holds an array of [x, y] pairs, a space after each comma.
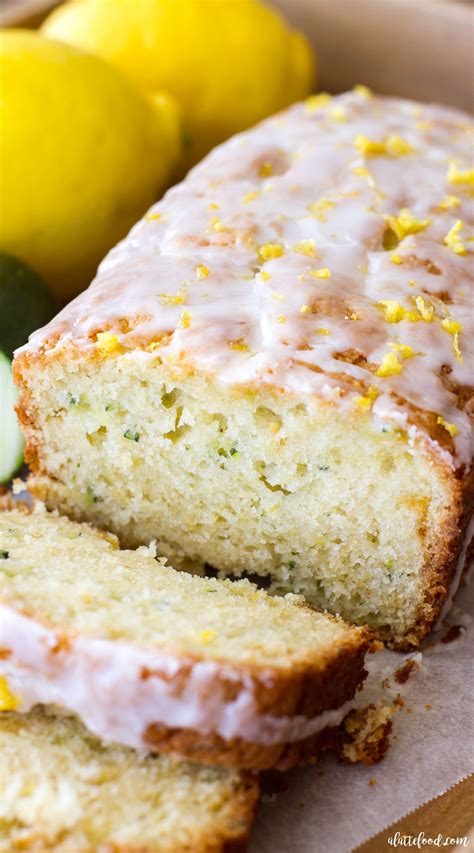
{"points": [[24, 13], [451, 815]]}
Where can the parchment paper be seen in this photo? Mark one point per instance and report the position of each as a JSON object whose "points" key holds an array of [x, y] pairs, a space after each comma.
{"points": [[332, 808]]}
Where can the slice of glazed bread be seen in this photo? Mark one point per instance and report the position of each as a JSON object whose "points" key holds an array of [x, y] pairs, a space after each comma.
{"points": [[217, 671], [273, 373], [62, 790]]}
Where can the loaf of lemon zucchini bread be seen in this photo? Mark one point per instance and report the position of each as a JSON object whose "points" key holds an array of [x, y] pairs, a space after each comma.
{"points": [[64, 791], [272, 373], [217, 671]]}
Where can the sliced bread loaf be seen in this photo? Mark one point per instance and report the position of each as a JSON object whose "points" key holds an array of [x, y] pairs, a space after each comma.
{"points": [[272, 373], [63, 791], [218, 671]]}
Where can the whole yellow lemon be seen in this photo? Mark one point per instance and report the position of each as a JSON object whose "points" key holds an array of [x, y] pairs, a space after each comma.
{"points": [[229, 63], [83, 154]]}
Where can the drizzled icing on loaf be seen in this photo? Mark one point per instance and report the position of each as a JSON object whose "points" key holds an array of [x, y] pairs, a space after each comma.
{"points": [[327, 251]]}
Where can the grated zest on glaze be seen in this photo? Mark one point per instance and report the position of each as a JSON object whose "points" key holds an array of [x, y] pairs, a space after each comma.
{"points": [[368, 202]]}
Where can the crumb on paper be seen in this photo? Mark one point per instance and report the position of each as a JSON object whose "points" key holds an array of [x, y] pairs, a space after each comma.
{"points": [[366, 734], [454, 633], [404, 672], [372, 782], [428, 706], [268, 798], [18, 486]]}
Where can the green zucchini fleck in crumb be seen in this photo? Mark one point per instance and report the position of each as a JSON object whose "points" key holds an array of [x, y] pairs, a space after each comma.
{"points": [[91, 497], [131, 435], [4, 555]]}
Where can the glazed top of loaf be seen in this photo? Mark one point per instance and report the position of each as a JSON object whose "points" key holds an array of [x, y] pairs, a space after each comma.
{"points": [[327, 251]]}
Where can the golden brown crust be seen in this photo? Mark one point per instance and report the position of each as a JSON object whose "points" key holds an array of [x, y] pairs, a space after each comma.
{"points": [[441, 562], [311, 688], [306, 693]]}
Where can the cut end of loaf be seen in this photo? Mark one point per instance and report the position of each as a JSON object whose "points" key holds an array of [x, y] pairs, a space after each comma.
{"points": [[359, 516]]}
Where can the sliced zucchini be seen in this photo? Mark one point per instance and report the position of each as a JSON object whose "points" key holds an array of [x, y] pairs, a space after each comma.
{"points": [[11, 439]]}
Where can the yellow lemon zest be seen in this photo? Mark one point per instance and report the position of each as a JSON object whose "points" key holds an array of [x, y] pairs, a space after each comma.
{"points": [[201, 271], [217, 224], [304, 309], [178, 299], [404, 350], [315, 102], [453, 240], [460, 176], [322, 273], [405, 223], [266, 169], [250, 196], [281, 318], [265, 276], [363, 91], [323, 332], [207, 636], [185, 320], [108, 342], [451, 428], [457, 351], [398, 147], [152, 217], [396, 258], [393, 312], [269, 251], [451, 326], [162, 341], [426, 310], [305, 247], [389, 366], [319, 208], [8, 700], [239, 344], [367, 400], [338, 114], [362, 171], [449, 202], [368, 147], [394, 146]]}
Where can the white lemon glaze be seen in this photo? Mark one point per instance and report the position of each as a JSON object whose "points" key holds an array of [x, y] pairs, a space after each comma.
{"points": [[194, 282], [102, 682]]}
